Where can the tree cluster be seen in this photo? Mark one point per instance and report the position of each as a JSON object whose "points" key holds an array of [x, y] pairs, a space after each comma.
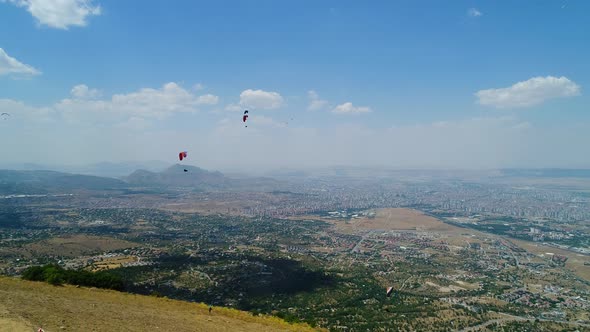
{"points": [[56, 275]]}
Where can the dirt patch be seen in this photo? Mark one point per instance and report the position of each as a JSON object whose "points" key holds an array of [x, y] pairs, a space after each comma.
{"points": [[113, 262], [445, 289], [77, 245], [393, 219]]}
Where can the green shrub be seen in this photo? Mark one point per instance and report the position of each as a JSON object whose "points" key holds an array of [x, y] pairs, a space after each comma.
{"points": [[56, 275]]}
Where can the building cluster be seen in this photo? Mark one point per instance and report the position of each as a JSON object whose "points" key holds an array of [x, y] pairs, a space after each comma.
{"points": [[528, 299]]}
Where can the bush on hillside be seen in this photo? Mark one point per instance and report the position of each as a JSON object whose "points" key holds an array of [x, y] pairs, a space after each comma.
{"points": [[56, 275]]}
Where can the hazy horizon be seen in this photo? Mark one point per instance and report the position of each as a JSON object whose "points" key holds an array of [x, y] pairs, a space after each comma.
{"points": [[125, 168], [419, 85]]}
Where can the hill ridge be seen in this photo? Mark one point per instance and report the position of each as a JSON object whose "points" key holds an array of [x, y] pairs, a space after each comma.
{"points": [[26, 305]]}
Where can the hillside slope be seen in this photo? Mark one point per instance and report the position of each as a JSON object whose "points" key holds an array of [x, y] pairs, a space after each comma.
{"points": [[25, 305]]}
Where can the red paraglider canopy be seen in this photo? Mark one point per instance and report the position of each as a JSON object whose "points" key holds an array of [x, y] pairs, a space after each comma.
{"points": [[182, 155]]}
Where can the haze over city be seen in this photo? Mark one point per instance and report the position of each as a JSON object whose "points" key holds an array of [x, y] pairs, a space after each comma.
{"points": [[264, 165], [399, 84]]}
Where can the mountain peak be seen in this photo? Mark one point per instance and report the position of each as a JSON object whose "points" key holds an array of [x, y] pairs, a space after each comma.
{"points": [[180, 168], [176, 176]]}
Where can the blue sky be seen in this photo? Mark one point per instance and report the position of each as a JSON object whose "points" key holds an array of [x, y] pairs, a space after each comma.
{"points": [[395, 83]]}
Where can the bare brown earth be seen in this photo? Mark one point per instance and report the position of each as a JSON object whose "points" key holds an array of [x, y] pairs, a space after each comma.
{"points": [[76, 245], [113, 262], [401, 219], [25, 306], [405, 220], [393, 219]]}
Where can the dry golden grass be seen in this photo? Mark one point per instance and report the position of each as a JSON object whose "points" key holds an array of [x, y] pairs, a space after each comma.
{"points": [[405, 219], [76, 245], [211, 207], [25, 305], [444, 289], [11, 323]]}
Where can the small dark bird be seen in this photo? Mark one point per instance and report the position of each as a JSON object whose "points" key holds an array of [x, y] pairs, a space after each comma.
{"points": [[186, 170]]}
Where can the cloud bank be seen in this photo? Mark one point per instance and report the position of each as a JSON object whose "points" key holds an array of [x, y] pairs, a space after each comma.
{"points": [[155, 123], [85, 106], [531, 92]]}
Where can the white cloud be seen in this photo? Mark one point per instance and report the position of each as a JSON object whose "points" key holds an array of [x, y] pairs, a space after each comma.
{"points": [[348, 108], [233, 107], [10, 65], [473, 12], [147, 102], [126, 127], [18, 109], [315, 103], [529, 93], [85, 106], [470, 143], [60, 14], [207, 99], [198, 87], [82, 91], [260, 99]]}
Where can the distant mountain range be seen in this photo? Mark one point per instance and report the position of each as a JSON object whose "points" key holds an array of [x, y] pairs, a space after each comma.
{"points": [[107, 169], [177, 177], [37, 182], [197, 179], [43, 181], [200, 179]]}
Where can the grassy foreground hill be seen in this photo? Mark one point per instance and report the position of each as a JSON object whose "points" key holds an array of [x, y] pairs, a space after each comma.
{"points": [[26, 305]]}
